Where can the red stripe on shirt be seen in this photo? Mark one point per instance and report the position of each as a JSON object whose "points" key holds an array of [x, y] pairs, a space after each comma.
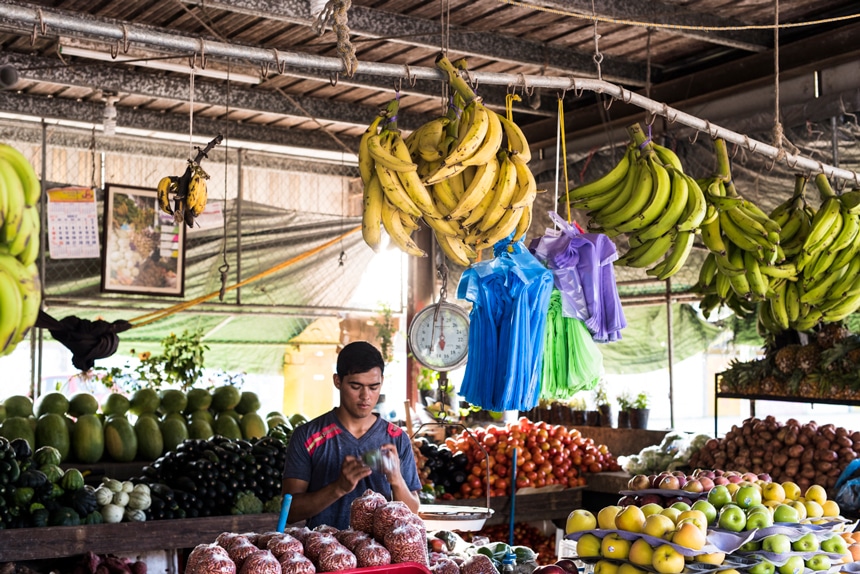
{"points": [[316, 440]]}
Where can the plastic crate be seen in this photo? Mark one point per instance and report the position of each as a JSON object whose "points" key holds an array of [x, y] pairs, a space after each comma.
{"points": [[404, 568]]}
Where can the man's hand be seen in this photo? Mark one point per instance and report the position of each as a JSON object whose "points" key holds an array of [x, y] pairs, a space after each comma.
{"points": [[351, 472], [392, 464]]}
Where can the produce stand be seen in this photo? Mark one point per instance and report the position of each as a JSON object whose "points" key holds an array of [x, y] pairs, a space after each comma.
{"points": [[125, 537], [531, 506]]}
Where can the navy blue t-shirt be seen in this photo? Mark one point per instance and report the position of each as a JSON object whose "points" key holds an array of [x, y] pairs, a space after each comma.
{"points": [[316, 452]]}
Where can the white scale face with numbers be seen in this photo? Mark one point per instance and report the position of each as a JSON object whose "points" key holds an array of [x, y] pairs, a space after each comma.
{"points": [[439, 336]]}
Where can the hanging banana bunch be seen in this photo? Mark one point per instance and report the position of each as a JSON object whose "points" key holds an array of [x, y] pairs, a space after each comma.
{"points": [[187, 192], [464, 174]]}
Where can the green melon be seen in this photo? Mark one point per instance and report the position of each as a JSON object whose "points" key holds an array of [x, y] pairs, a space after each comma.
{"points": [[144, 401], [225, 398], [120, 439], [172, 401], [88, 440], [150, 443], [2, 413], [298, 419], [18, 427], [203, 416], [276, 420], [56, 403], [174, 432], [177, 416], [83, 404], [200, 429], [116, 404], [248, 403], [20, 406], [52, 430], [227, 426], [198, 400], [252, 426], [230, 413]]}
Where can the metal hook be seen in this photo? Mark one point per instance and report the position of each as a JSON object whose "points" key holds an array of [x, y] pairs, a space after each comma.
{"points": [[473, 82], [606, 106], [124, 40], [409, 77], [264, 70], [34, 34], [735, 153], [202, 54], [792, 164], [772, 164], [629, 95], [192, 60], [695, 137], [280, 66], [114, 50], [398, 86], [667, 114], [332, 79], [649, 117], [43, 26]]}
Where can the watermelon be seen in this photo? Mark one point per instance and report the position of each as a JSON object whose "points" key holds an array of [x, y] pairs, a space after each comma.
{"points": [[150, 443], [18, 427], [20, 406], [88, 440], [52, 430], [202, 415], [120, 439], [200, 429], [227, 426], [116, 404], [174, 432], [225, 398], [252, 426], [198, 400], [56, 403], [248, 403], [144, 400], [172, 401], [83, 404]]}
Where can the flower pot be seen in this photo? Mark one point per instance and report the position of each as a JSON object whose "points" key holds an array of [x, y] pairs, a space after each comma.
{"points": [[605, 415], [639, 418], [592, 418], [624, 419], [577, 418]]}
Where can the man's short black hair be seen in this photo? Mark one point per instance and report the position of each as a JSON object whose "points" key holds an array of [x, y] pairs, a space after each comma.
{"points": [[358, 357]]}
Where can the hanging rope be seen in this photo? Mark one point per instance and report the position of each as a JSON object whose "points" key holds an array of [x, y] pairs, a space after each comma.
{"points": [[598, 57], [191, 109], [335, 14], [648, 65], [563, 153], [224, 269], [778, 133], [163, 313]]}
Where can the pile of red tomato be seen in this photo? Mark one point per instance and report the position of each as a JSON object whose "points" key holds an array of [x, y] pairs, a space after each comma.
{"points": [[547, 454]]}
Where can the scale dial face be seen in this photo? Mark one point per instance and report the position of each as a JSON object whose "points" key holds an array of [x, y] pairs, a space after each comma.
{"points": [[439, 336]]}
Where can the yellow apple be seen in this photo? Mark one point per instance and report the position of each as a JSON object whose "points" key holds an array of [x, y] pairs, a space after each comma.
{"points": [[630, 519], [641, 552], [606, 516], [613, 546], [579, 520], [696, 516], [672, 513], [792, 491], [773, 491], [658, 525], [813, 508], [816, 493], [667, 560], [801, 509], [651, 508], [689, 535], [733, 487], [605, 567], [830, 508], [627, 568], [588, 546], [715, 558]]}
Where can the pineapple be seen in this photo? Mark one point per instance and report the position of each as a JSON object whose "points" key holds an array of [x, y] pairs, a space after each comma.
{"points": [[786, 359], [808, 357], [769, 385], [808, 388], [832, 334]]}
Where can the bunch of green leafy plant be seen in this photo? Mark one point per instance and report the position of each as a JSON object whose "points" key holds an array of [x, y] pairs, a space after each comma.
{"points": [[601, 396], [428, 379], [625, 400], [385, 330], [642, 401]]}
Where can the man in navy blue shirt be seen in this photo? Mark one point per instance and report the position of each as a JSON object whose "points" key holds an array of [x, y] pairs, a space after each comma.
{"points": [[324, 471]]}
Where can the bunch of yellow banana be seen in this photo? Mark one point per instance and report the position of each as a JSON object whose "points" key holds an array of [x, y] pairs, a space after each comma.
{"points": [[648, 196], [188, 193], [453, 172], [20, 290]]}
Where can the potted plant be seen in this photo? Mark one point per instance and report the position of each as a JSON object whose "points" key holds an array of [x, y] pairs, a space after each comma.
{"points": [[604, 407], [625, 402], [639, 411], [577, 411]]}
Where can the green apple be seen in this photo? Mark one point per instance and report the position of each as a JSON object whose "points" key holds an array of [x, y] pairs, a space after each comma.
{"points": [[835, 544], [759, 519], [819, 562], [806, 543], [776, 543], [658, 526], [667, 560], [793, 565], [732, 518], [763, 567], [579, 520], [708, 509], [588, 546], [615, 547], [786, 513], [750, 546], [719, 496], [748, 495], [682, 506], [651, 508]]}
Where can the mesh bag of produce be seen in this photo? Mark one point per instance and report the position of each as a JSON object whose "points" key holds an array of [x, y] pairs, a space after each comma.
{"points": [[295, 563], [371, 553], [445, 566], [225, 538], [386, 516], [261, 562], [362, 510], [326, 528], [406, 543], [352, 538], [262, 541], [316, 542], [209, 559], [240, 549], [336, 557], [298, 532], [478, 564], [284, 543]]}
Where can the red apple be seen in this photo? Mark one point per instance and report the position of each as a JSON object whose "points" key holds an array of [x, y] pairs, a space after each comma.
{"points": [[765, 477], [638, 482], [707, 483], [669, 482], [644, 499], [750, 477], [718, 480], [628, 500], [735, 478]]}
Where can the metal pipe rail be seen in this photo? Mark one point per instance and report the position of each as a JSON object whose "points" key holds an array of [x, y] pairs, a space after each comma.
{"points": [[42, 19]]}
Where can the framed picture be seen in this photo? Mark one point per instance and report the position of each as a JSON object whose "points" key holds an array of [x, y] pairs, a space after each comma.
{"points": [[144, 249]]}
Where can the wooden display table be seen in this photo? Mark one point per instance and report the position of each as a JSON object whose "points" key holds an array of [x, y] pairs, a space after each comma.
{"points": [[125, 537]]}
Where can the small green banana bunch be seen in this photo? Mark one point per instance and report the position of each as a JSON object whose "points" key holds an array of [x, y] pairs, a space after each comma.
{"points": [[20, 287], [453, 172], [188, 193], [648, 196]]}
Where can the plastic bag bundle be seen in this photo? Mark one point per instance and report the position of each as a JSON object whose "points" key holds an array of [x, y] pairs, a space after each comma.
{"points": [[582, 266], [572, 361], [510, 297]]}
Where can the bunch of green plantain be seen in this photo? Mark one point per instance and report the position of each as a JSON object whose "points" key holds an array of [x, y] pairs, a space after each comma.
{"points": [[648, 196], [454, 173]]}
